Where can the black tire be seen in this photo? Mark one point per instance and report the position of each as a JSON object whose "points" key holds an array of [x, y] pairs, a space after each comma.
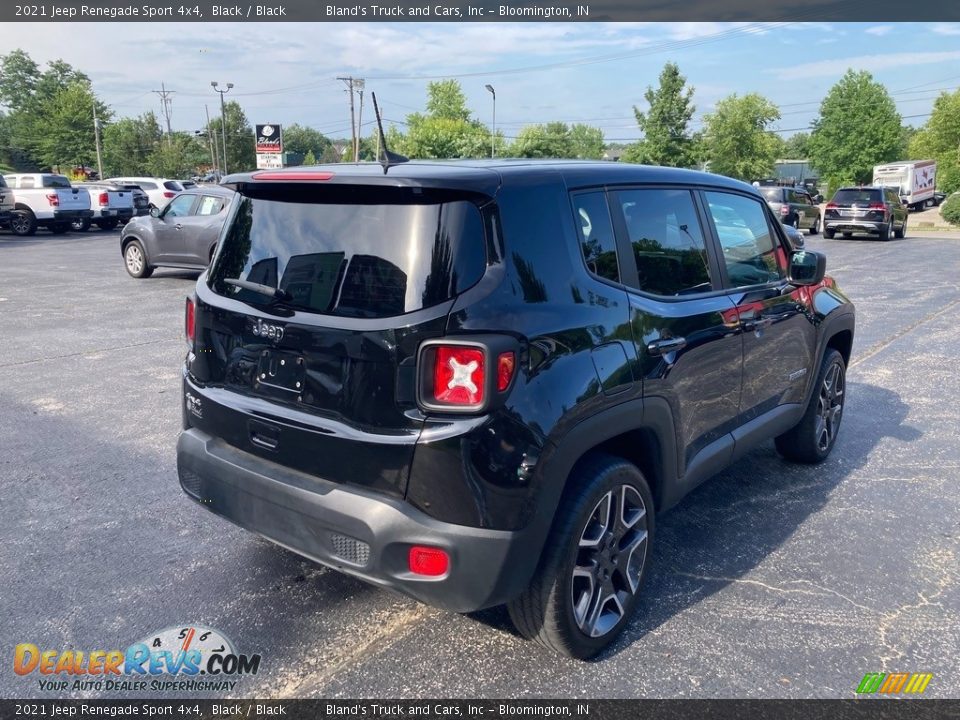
{"points": [[884, 231], [108, 224], [812, 439], [815, 230], [604, 576], [135, 260], [60, 228], [23, 223], [902, 232], [829, 234], [80, 225]]}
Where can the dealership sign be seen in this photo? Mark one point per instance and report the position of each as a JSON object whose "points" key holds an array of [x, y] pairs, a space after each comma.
{"points": [[269, 161], [269, 139]]}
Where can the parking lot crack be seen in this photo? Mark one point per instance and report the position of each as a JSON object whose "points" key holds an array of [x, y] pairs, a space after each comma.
{"points": [[824, 591], [88, 352]]}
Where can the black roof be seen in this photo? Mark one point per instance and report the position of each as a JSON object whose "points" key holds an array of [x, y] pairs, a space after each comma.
{"points": [[487, 175]]}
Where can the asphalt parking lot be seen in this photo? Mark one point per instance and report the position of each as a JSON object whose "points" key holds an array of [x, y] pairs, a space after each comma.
{"points": [[771, 580]]}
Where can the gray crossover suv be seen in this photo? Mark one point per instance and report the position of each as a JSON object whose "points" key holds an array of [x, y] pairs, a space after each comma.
{"points": [[794, 207], [183, 234]]}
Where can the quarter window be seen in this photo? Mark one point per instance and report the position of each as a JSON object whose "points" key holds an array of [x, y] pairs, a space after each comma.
{"points": [[667, 241], [749, 248], [597, 241], [210, 205]]}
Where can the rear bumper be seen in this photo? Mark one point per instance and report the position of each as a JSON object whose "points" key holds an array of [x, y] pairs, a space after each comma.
{"points": [[120, 213], [845, 225], [66, 215], [357, 532]]}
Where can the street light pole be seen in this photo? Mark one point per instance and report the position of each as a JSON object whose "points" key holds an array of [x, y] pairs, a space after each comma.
{"points": [[96, 137], [223, 119], [493, 132]]}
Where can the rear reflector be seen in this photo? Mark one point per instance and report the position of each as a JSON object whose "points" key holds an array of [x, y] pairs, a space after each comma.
{"points": [[428, 561], [292, 176], [189, 322], [505, 366], [459, 375]]}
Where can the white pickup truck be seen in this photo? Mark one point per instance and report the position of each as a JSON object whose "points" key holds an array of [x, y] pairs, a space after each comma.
{"points": [[45, 200], [110, 206]]}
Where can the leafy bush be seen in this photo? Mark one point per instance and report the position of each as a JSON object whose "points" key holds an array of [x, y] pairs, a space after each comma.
{"points": [[950, 210]]}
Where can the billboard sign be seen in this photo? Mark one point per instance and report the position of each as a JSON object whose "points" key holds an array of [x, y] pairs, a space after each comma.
{"points": [[269, 139]]}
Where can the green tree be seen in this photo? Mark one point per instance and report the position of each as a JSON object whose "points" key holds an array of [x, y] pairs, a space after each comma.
{"points": [[241, 146], [303, 140], [665, 125], [939, 139], [309, 158], [19, 75], [65, 136], [445, 131], [178, 155], [858, 127], [558, 140], [128, 144], [738, 141], [797, 146]]}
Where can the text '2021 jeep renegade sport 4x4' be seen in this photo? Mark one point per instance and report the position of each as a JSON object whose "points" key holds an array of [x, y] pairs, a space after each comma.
{"points": [[477, 383]]}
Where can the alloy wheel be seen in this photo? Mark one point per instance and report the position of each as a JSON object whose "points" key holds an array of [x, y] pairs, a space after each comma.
{"points": [[829, 407], [134, 260], [20, 224], [610, 558]]}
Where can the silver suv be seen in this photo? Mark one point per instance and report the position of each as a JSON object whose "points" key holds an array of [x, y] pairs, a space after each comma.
{"points": [[794, 206]]}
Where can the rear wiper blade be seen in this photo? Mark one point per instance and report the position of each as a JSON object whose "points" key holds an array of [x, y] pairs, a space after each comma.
{"points": [[271, 292]]}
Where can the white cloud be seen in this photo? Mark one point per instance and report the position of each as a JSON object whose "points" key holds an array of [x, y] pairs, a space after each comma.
{"points": [[879, 30], [946, 28], [873, 63]]}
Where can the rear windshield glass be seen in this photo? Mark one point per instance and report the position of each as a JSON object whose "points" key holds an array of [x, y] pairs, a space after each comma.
{"points": [[55, 181], [857, 196], [367, 256], [173, 185], [772, 194]]}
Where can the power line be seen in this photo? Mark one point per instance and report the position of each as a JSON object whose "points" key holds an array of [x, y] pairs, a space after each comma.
{"points": [[166, 102]]}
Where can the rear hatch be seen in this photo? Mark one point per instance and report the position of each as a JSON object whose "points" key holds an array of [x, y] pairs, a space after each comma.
{"points": [[323, 380], [860, 204]]}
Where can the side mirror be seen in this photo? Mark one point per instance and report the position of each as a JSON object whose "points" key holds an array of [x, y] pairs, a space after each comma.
{"points": [[807, 267], [154, 212]]}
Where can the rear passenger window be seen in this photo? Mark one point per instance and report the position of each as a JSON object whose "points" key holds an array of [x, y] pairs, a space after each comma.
{"points": [[210, 205], [667, 241], [749, 248], [597, 241]]}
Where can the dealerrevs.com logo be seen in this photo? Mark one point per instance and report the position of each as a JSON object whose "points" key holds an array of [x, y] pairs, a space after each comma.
{"points": [[199, 658]]}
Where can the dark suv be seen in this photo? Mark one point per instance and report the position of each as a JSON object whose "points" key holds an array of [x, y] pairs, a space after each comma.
{"points": [[875, 210], [478, 382], [794, 206]]}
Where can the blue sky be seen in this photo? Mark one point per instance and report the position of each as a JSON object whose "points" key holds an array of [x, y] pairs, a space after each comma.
{"points": [[587, 72]]}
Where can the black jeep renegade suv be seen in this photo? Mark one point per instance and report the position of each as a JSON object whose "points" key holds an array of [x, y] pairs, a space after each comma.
{"points": [[478, 382]]}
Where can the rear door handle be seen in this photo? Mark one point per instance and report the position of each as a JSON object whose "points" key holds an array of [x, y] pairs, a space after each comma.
{"points": [[667, 345], [757, 323]]}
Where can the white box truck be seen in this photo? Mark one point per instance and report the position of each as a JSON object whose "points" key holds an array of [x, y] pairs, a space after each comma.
{"points": [[914, 181]]}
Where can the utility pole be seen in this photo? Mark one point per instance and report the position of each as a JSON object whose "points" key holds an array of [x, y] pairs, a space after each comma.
{"points": [[356, 150], [212, 140], [350, 82], [96, 137], [223, 120], [166, 102]]}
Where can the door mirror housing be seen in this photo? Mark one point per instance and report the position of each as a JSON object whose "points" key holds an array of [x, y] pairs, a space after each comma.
{"points": [[154, 212], [807, 267]]}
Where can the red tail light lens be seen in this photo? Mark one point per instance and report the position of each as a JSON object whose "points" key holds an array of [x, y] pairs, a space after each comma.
{"points": [[505, 367], [877, 206], [831, 205], [459, 376], [53, 199], [103, 199], [295, 176], [430, 561], [168, 194], [189, 322]]}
